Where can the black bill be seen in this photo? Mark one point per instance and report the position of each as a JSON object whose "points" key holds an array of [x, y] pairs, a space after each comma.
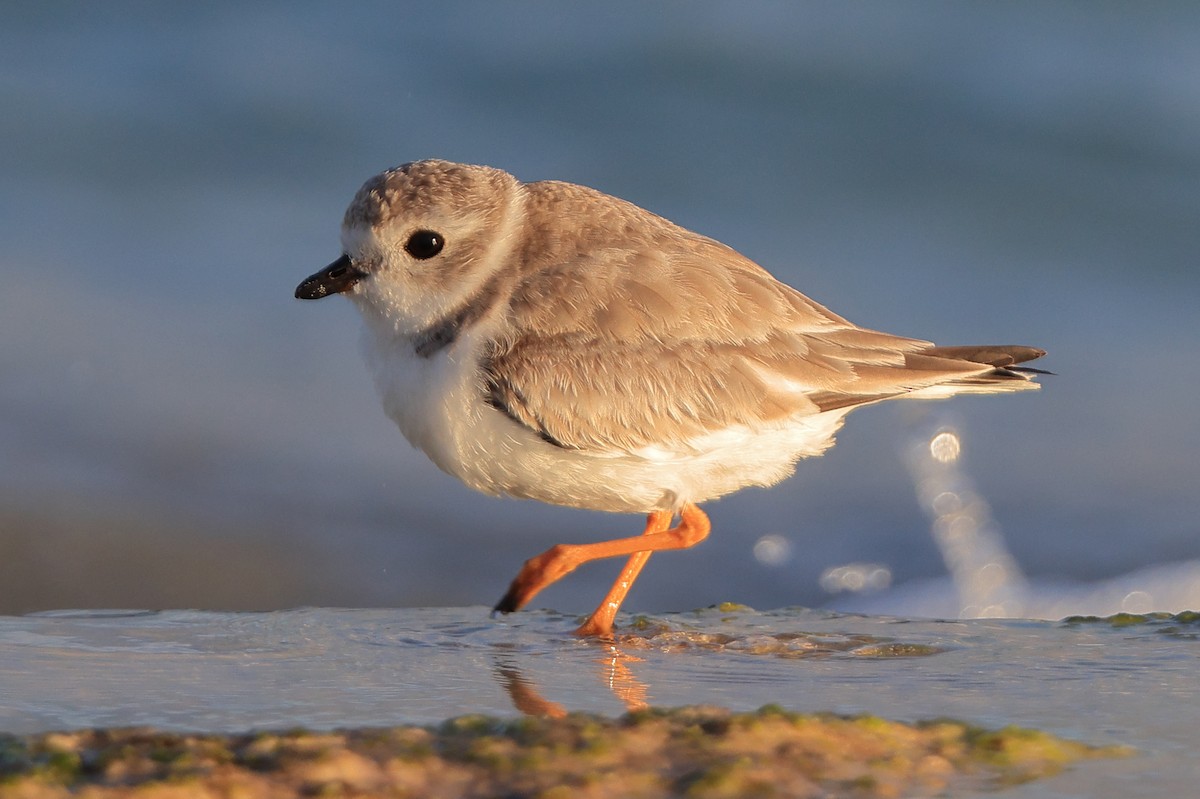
{"points": [[339, 276]]}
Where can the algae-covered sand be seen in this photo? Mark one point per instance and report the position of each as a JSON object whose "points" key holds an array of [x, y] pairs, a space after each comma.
{"points": [[692, 752]]}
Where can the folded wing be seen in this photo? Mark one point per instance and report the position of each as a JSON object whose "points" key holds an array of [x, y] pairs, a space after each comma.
{"points": [[628, 349]]}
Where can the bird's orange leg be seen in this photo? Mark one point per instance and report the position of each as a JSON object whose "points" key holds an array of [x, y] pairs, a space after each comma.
{"points": [[559, 561], [600, 623]]}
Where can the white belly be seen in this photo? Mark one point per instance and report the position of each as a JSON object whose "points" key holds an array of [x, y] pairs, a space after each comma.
{"points": [[438, 403]]}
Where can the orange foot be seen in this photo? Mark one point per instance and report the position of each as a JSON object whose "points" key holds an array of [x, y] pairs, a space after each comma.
{"points": [[562, 559]]}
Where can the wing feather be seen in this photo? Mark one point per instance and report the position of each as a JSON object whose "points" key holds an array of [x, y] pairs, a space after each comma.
{"points": [[628, 348]]}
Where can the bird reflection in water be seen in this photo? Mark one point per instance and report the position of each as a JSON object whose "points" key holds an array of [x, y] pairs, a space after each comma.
{"points": [[613, 670]]}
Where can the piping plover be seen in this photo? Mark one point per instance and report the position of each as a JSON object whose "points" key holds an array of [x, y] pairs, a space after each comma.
{"points": [[548, 341]]}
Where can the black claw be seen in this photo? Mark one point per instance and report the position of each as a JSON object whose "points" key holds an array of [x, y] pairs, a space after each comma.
{"points": [[507, 604]]}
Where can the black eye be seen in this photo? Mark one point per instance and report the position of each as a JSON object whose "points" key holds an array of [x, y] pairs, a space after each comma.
{"points": [[424, 244]]}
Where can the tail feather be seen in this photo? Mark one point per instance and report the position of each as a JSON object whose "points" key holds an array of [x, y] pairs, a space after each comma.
{"points": [[1005, 375], [1001, 355], [1004, 357], [938, 372]]}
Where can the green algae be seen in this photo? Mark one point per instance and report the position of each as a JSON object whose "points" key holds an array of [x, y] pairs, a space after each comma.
{"points": [[1184, 625], [695, 752], [896, 649], [646, 632], [731, 607], [1132, 619]]}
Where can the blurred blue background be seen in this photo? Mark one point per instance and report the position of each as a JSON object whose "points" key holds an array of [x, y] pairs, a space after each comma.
{"points": [[177, 431]]}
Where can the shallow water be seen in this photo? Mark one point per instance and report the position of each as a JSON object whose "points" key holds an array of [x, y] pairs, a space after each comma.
{"points": [[322, 668]]}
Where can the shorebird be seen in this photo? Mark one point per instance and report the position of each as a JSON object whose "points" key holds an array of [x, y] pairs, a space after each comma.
{"points": [[548, 341]]}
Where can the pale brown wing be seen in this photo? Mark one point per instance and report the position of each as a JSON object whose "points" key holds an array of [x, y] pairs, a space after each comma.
{"points": [[629, 348]]}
